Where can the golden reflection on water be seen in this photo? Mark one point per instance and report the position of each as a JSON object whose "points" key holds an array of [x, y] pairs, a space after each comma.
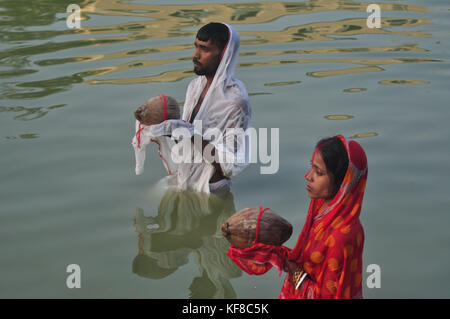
{"points": [[283, 83], [250, 12], [338, 117], [354, 90], [403, 82], [363, 135], [321, 74], [174, 28], [182, 21], [314, 32], [176, 75], [25, 136]]}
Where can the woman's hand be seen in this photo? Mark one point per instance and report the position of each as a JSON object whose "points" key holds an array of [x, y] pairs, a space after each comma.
{"points": [[290, 266]]}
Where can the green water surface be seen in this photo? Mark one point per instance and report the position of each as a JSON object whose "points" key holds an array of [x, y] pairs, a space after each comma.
{"points": [[68, 191]]}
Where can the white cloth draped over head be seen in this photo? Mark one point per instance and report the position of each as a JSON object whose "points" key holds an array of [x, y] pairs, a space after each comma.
{"points": [[225, 107]]}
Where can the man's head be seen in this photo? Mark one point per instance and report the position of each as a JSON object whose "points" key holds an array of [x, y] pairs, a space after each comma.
{"points": [[209, 45]]}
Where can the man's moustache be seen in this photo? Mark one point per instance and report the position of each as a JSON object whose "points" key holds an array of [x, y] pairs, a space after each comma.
{"points": [[196, 62]]}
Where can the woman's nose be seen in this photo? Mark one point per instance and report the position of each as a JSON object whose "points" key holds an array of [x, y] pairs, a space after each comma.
{"points": [[307, 176]]}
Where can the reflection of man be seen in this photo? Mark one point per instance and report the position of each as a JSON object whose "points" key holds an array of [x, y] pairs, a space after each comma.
{"points": [[214, 100], [188, 223]]}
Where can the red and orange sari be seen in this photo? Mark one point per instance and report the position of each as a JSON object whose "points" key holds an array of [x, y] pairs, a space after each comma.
{"points": [[329, 248]]}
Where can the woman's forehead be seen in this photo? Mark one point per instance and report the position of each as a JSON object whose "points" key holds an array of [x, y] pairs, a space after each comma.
{"points": [[318, 160]]}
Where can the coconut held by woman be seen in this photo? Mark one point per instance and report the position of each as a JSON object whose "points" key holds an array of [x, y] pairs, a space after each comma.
{"points": [[253, 233], [255, 224]]}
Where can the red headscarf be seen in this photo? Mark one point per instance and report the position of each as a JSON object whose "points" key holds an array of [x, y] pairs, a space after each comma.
{"points": [[329, 248]]}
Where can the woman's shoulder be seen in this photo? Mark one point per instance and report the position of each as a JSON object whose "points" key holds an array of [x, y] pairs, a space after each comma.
{"points": [[348, 234]]}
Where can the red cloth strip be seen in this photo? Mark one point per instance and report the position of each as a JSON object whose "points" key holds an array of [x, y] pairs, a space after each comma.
{"points": [[257, 223], [138, 135], [163, 99]]}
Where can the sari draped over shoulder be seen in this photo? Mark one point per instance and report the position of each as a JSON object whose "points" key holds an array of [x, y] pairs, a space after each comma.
{"points": [[330, 246]]}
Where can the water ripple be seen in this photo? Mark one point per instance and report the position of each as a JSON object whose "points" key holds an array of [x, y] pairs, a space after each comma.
{"points": [[159, 44]]}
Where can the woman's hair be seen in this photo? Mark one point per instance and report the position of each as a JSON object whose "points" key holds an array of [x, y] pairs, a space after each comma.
{"points": [[335, 157], [217, 32]]}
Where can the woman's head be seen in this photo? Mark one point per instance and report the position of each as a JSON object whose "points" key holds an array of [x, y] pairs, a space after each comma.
{"points": [[329, 165]]}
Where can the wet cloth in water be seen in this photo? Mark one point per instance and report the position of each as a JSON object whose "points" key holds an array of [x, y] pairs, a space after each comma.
{"points": [[225, 107], [330, 246]]}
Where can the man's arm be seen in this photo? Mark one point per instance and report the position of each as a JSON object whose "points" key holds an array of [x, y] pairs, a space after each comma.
{"points": [[218, 173]]}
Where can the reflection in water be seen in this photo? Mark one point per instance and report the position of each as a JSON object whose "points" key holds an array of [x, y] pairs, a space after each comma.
{"points": [[177, 75], [25, 51], [354, 90], [362, 135], [187, 223], [338, 117], [259, 93], [282, 83], [29, 113], [23, 136], [321, 74], [403, 82]]}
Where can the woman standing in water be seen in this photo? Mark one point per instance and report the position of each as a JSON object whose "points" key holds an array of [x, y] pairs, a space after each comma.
{"points": [[326, 262]]}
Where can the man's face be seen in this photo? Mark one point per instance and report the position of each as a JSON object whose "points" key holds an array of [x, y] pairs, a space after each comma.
{"points": [[206, 57]]}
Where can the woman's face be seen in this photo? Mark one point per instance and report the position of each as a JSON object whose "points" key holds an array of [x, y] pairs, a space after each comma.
{"points": [[319, 181]]}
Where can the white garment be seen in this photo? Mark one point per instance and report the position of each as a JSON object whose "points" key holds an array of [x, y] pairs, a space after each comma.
{"points": [[226, 105]]}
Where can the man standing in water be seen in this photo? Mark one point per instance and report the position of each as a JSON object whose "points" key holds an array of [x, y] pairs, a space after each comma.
{"points": [[216, 95], [216, 109]]}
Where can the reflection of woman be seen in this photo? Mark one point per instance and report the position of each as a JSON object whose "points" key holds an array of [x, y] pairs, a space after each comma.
{"points": [[327, 259]]}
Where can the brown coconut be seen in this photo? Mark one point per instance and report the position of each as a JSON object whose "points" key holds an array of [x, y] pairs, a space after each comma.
{"points": [[240, 229], [152, 111]]}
